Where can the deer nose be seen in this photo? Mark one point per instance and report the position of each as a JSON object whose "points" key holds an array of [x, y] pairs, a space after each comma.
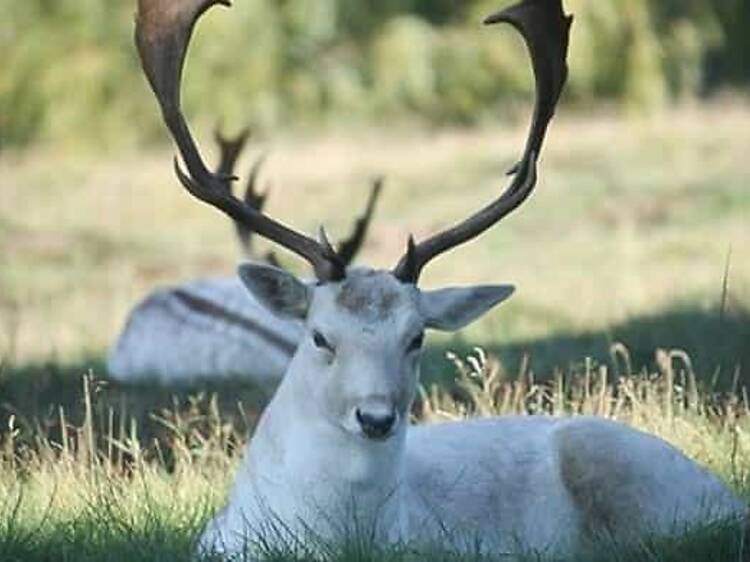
{"points": [[376, 425]]}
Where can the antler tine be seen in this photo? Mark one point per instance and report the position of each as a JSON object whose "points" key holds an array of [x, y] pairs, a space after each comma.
{"points": [[254, 199], [546, 31], [349, 248], [163, 32], [230, 149]]}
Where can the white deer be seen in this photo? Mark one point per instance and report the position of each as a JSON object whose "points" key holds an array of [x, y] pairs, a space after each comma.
{"points": [[213, 329], [334, 452]]}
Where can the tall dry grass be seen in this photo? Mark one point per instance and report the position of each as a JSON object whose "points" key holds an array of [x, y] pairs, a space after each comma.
{"points": [[108, 493]]}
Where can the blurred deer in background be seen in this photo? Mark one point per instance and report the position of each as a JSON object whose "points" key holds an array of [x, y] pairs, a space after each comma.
{"points": [[334, 454], [213, 329]]}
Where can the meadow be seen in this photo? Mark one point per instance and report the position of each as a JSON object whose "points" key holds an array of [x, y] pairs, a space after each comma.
{"points": [[631, 260]]}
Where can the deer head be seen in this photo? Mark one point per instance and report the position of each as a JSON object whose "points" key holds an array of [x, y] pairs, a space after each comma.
{"points": [[358, 364]]}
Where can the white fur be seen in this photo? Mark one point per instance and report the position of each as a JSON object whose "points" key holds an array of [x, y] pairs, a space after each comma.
{"points": [[513, 484], [166, 341]]}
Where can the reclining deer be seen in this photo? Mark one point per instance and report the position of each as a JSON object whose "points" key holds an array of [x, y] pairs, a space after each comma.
{"points": [[334, 452], [228, 333]]}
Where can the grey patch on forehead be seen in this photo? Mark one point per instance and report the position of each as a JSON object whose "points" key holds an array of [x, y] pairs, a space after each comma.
{"points": [[370, 295]]}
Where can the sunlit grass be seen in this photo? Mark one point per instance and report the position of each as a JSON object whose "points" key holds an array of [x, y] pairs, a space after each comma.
{"points": [[100, 490]]}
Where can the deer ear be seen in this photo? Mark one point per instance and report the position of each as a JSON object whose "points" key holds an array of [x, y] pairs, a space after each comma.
{"points": [[449, 310], [279, 291]]}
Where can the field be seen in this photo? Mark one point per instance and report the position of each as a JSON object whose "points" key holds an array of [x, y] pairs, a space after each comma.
{"points": [[631, 260]]}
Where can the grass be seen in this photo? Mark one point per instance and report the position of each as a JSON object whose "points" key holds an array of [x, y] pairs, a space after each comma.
{"points": [[633, 271], [102, 490]]}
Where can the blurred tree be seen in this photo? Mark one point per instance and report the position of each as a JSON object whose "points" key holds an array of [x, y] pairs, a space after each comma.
{"points": [[69, 70], [731, 59]]}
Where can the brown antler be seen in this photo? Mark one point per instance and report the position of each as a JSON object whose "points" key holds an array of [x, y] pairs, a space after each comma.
{"points": [[546, 30], [230, 149], [163, 32], [349, 248], [256, 200]]}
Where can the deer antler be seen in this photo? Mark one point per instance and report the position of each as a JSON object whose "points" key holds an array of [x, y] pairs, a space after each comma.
{"points": [[349, 248], [230, 149], [163, 32], [546, 30]]}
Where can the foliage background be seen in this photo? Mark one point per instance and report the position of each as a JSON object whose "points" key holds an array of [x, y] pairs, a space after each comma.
{"points": [[69, 71]]}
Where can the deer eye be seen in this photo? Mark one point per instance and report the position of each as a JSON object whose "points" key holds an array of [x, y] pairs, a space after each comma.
{"points": [[322, 343], [416, 344]]}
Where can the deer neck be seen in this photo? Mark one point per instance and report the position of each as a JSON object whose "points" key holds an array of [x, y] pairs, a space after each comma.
{"points": [[304, 468]]}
